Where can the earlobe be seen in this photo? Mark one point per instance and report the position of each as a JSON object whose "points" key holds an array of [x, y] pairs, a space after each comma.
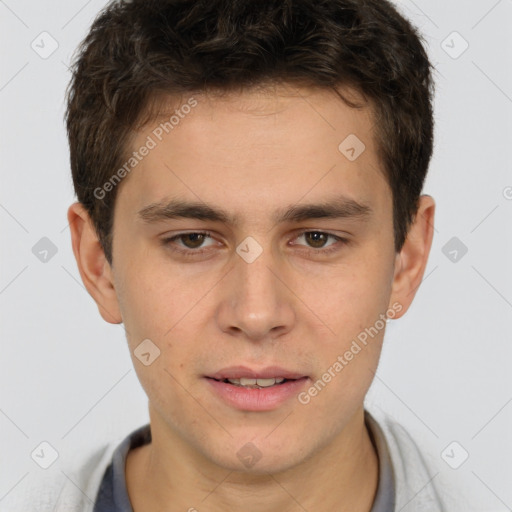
{"points": [[412, 260], [93, 266]]}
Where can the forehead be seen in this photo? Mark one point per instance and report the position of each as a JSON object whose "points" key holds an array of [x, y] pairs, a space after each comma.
{"points": [[256, 148]]}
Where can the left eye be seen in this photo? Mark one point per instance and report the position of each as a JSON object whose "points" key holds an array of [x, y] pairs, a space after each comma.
{"points": [[317, 238]]}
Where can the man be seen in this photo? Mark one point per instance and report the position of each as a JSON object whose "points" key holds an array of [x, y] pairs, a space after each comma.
{"points": [[249, 178]]}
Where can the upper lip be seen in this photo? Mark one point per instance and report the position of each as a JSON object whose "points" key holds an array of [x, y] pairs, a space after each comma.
{"points": [[237, 372]]}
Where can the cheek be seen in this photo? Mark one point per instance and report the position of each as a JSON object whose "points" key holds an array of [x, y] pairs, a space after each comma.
{"points": [[354, 299], [152, 308], [353, 307], [153, 301]]}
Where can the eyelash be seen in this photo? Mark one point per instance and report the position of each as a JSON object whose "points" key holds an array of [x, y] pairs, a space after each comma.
{"points": [[197, 252]]}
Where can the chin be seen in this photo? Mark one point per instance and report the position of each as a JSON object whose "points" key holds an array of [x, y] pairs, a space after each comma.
{"points": [[257, 457]]}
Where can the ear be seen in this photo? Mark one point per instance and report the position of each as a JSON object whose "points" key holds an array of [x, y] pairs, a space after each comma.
{"points": [[93, 266], [411, 261]]}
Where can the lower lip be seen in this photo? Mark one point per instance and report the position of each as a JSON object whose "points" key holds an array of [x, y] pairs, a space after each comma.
{"points": [[264, 399]]}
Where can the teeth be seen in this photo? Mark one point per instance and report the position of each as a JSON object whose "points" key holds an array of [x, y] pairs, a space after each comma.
{"points": [[256, 383], [265, 382]]}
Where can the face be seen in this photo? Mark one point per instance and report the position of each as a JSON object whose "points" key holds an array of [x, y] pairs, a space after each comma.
{"points": [[246, 242]]}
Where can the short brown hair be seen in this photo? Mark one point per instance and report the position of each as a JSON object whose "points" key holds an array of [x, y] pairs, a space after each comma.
{"points": [[137, 50]]}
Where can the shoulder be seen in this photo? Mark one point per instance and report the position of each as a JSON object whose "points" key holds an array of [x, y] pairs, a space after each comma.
{"points": [[68, 488], [423, 481]]}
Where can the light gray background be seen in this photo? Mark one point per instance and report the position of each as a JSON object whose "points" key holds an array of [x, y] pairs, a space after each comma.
{"points": [[65, 374]]}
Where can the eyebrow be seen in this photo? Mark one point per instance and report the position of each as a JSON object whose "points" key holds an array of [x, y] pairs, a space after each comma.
{"points": [[337, 208]]}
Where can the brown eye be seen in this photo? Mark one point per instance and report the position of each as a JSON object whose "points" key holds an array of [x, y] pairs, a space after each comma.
{"points": [[316, 239], [192, 240], [321, 243], [187, 243]]}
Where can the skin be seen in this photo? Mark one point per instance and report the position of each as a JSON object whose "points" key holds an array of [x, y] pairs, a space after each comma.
{"points": [[251, 154]]}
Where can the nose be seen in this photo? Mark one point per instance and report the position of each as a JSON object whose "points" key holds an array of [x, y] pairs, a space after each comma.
{"points": [[257, 303]]}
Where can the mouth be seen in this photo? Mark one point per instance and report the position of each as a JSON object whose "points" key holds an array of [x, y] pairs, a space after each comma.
{"points": [[256, 390], [245, 377], [256, 383]]}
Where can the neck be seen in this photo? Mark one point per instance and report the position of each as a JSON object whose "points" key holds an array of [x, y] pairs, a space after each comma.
{"points": [[168, 474]]}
